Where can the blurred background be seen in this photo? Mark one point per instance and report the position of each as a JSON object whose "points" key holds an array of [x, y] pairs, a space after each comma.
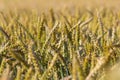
{"points": [[57, 4]]}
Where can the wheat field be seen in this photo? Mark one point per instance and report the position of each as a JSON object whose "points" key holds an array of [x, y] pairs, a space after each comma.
{"points": [[59, 40]]}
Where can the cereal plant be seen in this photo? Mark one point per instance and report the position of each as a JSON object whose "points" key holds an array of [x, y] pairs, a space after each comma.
{"points": [[64, 44]]}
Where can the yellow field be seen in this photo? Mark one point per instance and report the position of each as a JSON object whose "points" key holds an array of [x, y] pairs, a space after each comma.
{"points": [[59, 40]]}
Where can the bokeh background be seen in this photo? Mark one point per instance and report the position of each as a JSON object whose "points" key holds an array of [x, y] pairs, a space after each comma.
{"points": [[57, 4]]}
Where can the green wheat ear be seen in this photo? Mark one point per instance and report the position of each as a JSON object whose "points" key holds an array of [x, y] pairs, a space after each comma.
{"points": [[33, 59], [5, 34], [49, 36]]}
